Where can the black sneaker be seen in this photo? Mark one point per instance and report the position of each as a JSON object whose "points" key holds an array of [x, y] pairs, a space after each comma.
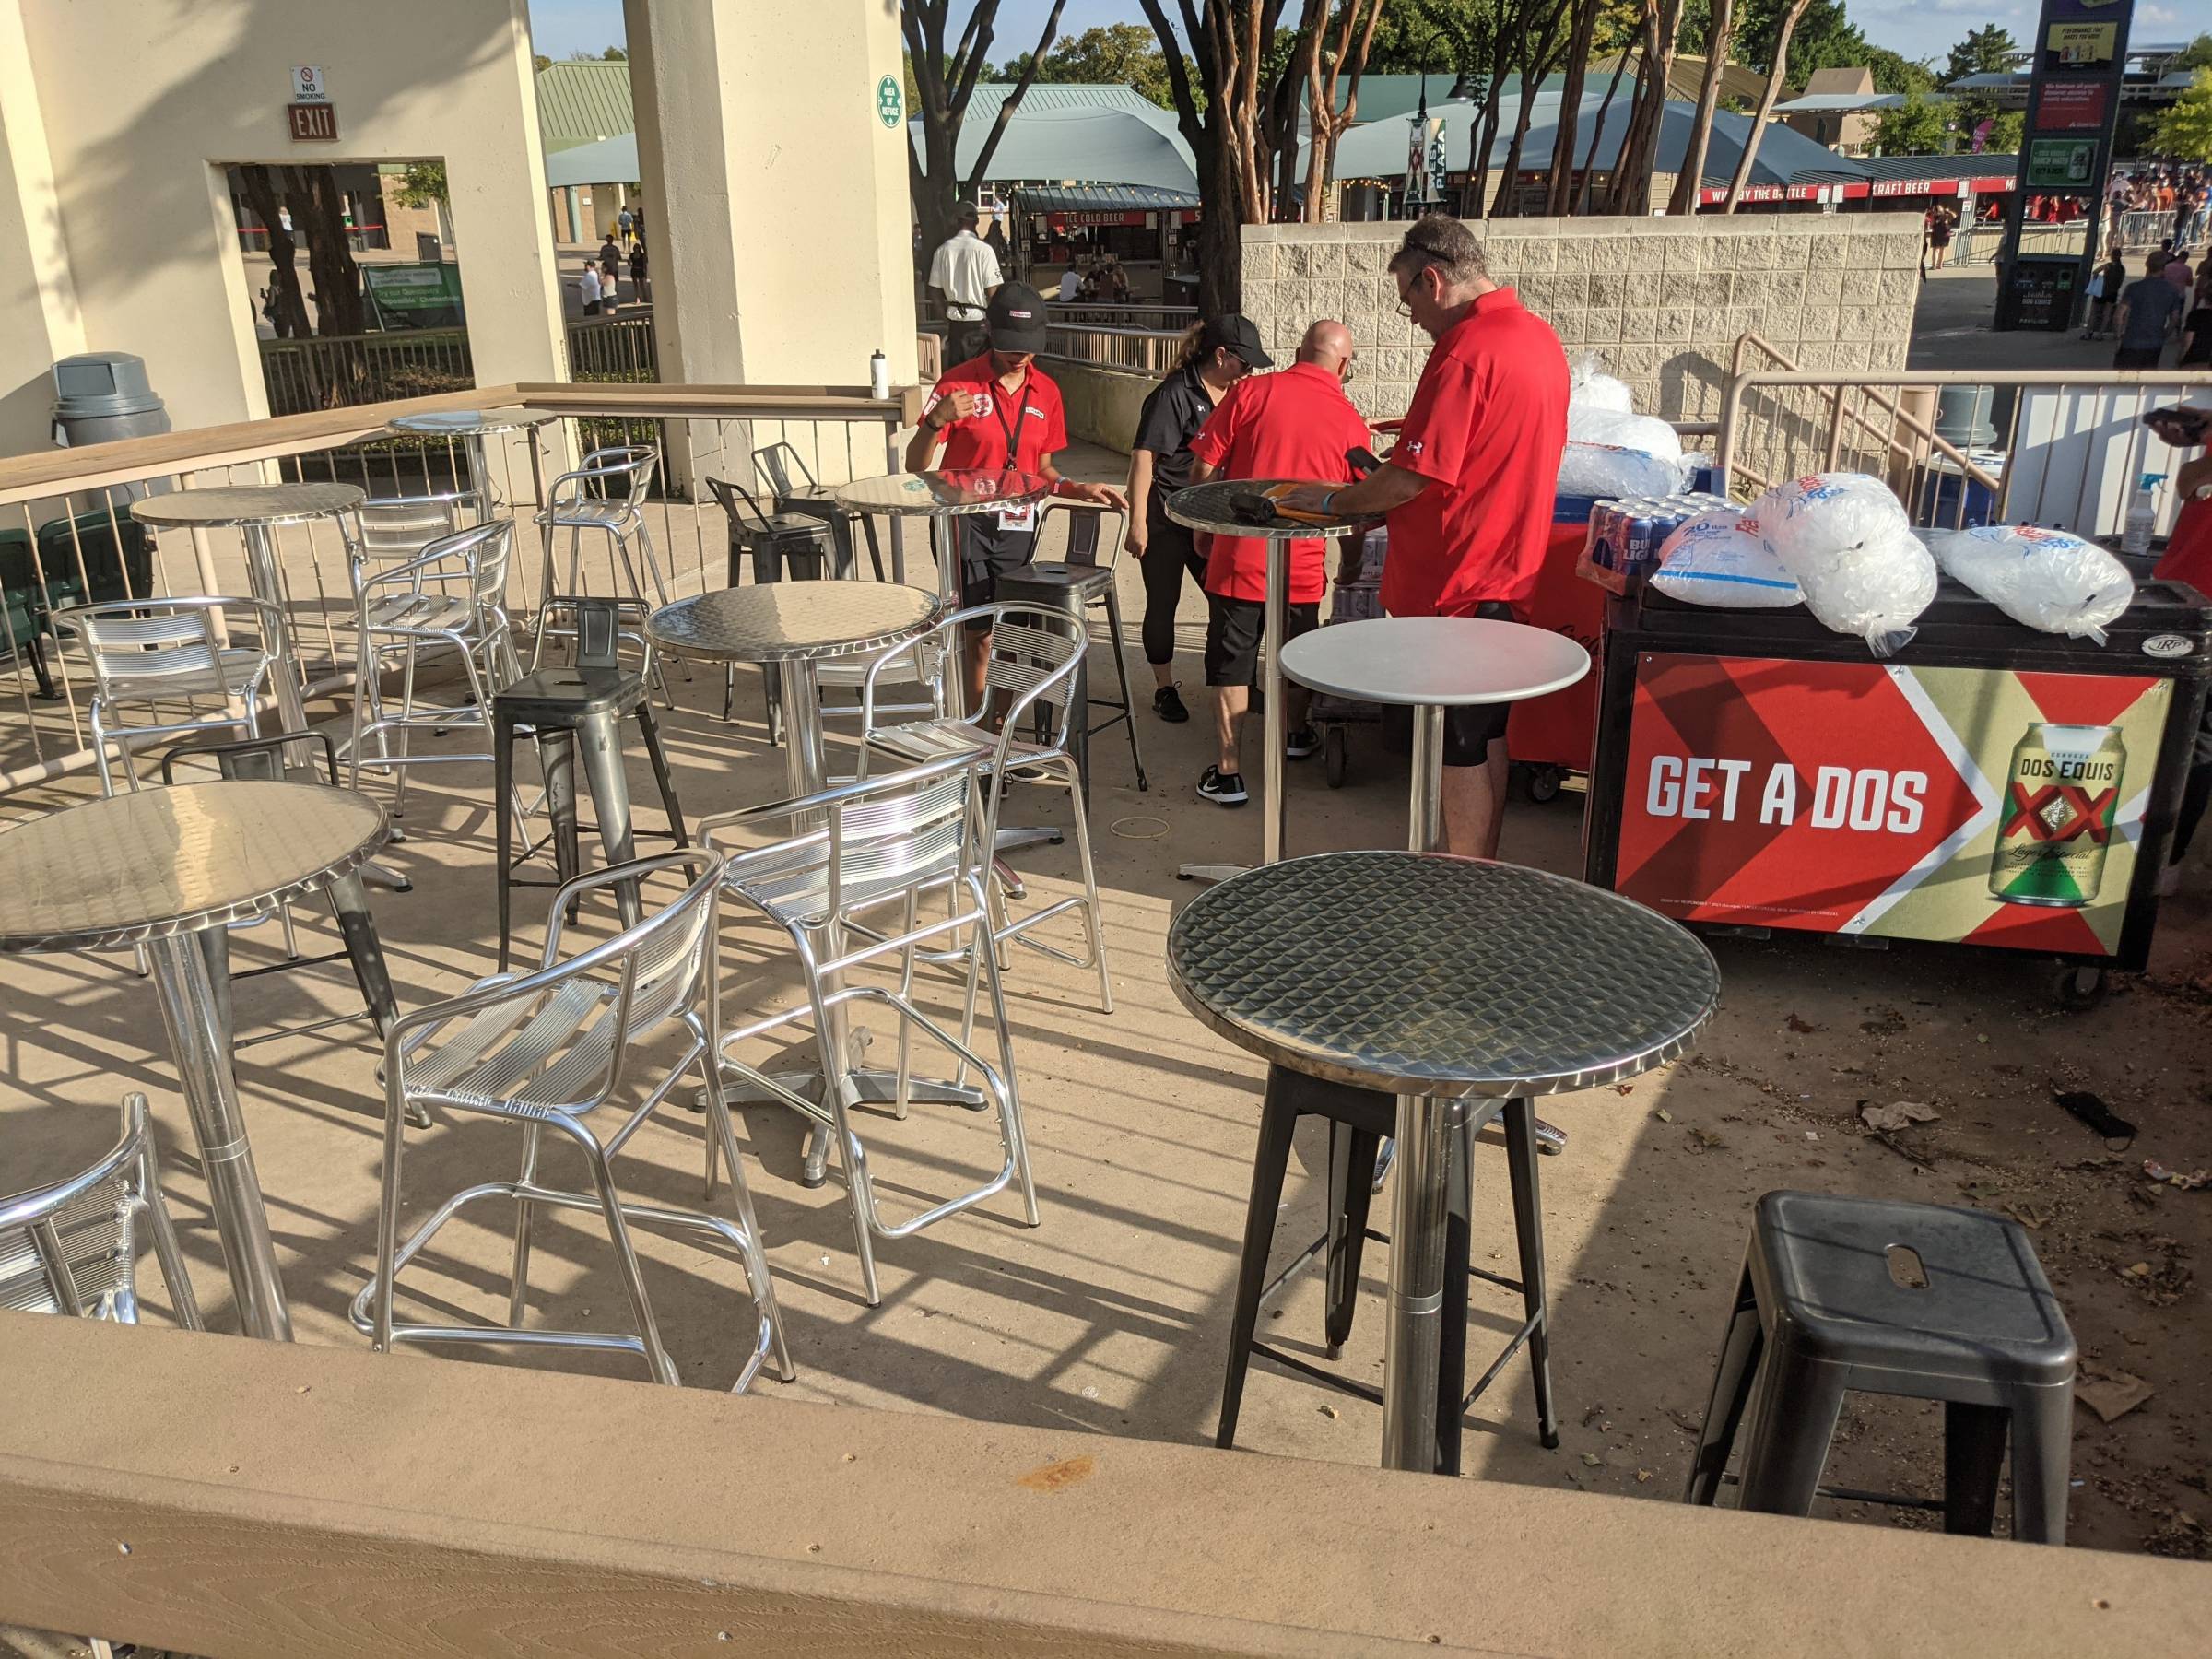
{"points": [[1167, 702], [1223, 790], [1298, 745]]}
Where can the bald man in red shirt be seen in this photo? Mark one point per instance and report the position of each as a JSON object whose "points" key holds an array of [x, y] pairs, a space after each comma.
{"points": [[1468, 488]]}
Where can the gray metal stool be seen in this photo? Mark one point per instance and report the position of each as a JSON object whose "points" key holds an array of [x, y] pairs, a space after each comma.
{"points": [[1925, 1300], [1074, 588], [560, 706]]}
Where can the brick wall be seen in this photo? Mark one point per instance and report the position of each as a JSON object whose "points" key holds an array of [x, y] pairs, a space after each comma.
{"points": [[1662, 300]]}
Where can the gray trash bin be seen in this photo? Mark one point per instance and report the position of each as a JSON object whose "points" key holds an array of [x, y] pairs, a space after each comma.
{"points": [[103, 396]]}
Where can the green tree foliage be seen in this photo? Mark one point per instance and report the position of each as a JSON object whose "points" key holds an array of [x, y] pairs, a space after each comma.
{"points": [[1114, 53], [1986, 51], [1916, 127], [2185, 127], [423, 184], [1983, 52], [2198, 54]]}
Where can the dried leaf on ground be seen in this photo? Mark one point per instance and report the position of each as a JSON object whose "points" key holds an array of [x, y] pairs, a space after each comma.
{"points": [[1802, 1026], [2111, 1395], [1898, 1115]]}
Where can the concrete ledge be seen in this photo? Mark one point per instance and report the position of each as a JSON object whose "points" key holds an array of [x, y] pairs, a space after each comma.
{"points": [[1102, 404], [224, 1498]]}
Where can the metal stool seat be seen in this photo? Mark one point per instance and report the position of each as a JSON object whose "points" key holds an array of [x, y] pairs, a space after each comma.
{"points": [[1925, 1300], [1360, 1121], [568, 710]]}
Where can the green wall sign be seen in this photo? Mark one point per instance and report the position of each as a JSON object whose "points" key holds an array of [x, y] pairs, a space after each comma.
{"points": [[890, 102]]}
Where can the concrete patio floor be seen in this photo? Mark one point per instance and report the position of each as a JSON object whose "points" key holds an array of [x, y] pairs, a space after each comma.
{"points": [[1111, 1316]]}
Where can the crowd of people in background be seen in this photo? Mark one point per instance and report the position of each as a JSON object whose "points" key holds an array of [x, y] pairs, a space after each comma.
{"points": [[601, 280], [2183, 192]]}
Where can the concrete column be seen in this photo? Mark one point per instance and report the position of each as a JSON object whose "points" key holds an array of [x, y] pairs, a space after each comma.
{"points": [[38, 293], [780, 225]]}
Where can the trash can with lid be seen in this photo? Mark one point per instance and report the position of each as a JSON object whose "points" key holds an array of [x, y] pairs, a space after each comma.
{"points": [[103, 396]]}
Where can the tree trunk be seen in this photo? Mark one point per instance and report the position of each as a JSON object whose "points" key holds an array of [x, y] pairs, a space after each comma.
{"points": [[1766, 103], [1220, 247], [1719, 31], [1559, 200], [1597, 134], [1328, 121], [1640, 152], [330, 253], [1486, 125], [290, 319], [1536, 63]]}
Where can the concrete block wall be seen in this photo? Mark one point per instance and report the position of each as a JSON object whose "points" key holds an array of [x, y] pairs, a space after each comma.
{"points": [[1662, 300]]}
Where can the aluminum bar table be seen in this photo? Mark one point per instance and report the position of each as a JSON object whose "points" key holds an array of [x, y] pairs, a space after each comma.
{"points": [[793, 626], [944, 499], [473, 427], [1431, 664], [1447, 981], [1207, 507], [256, 511], [159, 867]]}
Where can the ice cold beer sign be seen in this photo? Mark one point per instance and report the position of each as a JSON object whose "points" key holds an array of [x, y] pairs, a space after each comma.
{"points": [[1867, 800], [1982, 804]]}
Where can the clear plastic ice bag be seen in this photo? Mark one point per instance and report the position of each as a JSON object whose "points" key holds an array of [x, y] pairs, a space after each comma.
{"points": [[1720, 559], [2045, 580]]}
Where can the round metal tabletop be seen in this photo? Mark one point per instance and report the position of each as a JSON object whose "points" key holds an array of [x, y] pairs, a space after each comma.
{"points": [[1207, 507], [246, 504], [1436, 662], [1420, 973], [933, 493], [783, 621], [462, 423], [156, 862]]}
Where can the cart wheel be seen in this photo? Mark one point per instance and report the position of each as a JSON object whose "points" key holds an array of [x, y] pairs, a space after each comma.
{"points": [[1544, 783], [2082, 987], [1333, 756]]}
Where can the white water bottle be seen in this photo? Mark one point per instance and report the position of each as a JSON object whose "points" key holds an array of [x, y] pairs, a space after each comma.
{"points": [[2142, 515], [880, 378]]}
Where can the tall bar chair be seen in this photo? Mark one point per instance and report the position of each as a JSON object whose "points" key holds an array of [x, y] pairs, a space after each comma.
{"points": [[850, 887], [451, 597], [1078, 543], [545, 1051], [778, 462], [71, 1246], [1037, 654], [606, 495]]}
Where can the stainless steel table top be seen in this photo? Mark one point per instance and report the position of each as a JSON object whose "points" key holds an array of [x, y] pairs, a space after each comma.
{"points": [[246, 504], [1434, 661], [784, 621], [1205, 507], [1423, 974], [462, 423], [177, 859], [933, 493]]}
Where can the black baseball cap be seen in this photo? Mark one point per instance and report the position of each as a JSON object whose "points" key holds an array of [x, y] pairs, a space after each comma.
{"points": [[1014, 321], [1236, 332]]}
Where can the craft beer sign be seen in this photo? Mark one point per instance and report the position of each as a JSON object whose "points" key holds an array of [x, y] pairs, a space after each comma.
{"points": [[1953, 804]]}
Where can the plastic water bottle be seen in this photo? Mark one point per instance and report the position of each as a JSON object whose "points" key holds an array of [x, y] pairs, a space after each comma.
{"points": [[880, 378], [2142, 515]]}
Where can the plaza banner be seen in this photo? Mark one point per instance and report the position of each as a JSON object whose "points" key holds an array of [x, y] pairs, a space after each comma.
{"points": [[1978, 805]]}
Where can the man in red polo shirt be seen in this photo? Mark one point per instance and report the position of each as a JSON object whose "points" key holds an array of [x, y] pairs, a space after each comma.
{"points": [[1468, 489], [993, 413], [1293, 424]]}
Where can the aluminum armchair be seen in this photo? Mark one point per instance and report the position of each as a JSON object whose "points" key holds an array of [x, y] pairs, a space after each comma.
{"points": [[1029, 684], [182, 654], [545, 1051], [452, 596], [72, 1246], [848, 888], [397, 527], [606, 494]]}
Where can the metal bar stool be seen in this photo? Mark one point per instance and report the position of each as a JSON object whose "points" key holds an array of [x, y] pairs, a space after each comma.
{"points": [[569, 710], [1926, 1301], [606, 494], [802, 496], [1360, 1121]]}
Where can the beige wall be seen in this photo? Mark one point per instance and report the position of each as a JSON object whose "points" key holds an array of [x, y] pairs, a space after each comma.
{"points": [[781, 243], [38, 295], [1662, 300], [142, 102]]}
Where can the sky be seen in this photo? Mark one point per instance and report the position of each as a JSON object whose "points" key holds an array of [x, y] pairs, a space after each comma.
{"points": [[1918, 28]]}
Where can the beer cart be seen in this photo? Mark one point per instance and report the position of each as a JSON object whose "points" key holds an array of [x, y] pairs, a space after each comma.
{"points": [[1988, 785]]}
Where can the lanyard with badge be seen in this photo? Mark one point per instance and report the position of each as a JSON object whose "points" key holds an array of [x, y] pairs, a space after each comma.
{"points": [[1023, 517]]}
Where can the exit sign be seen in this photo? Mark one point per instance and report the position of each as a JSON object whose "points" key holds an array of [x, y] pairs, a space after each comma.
{"points": [[313, 122]]}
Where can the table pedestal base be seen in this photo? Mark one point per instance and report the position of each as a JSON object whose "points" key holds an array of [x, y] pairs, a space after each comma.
{"points": [[865, 1086]]}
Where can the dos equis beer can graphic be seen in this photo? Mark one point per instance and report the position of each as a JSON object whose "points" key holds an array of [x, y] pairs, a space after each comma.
{"points": [[2056, 822]]}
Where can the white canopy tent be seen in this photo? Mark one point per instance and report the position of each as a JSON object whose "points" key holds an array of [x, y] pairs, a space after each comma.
{"points": [[609, 161]]}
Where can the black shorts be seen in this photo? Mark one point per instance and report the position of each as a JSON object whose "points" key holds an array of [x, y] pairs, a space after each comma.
{"points": [[1232, 635], [988, 551], [1470, 728], [2137, 357]]}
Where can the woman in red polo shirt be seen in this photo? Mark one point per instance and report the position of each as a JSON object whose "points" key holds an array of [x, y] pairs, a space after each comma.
{"points": [[995, 412]]}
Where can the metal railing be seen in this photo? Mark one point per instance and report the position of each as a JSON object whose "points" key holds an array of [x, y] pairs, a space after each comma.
{"points": [[2062, 448], [1138, 350], [66, 533], [343, 370], [1091, 314]]}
